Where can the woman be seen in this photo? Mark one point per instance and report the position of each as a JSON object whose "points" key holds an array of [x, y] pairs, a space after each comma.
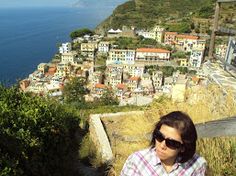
{"points": [[172, 150]]}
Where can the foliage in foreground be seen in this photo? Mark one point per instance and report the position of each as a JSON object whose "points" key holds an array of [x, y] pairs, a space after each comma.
{"points": [[220, 154], [38, 137]]}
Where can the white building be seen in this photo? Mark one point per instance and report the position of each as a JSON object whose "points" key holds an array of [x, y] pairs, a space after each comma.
{"points": [[146, 34], [187, 43], [134, 69], [65, 48], [157, 78], [63, 69], [88, 49], [230, 56], [221, 50], [36, 87], [42, 67], [103, 47], [196, 58], [146, 83], [156, 33], [53, 89], [121, 56], [113, 33], [69, 57], [152, 54]]}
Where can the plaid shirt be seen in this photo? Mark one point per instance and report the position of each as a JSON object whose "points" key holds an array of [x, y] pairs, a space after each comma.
{"points": [[146, 163]]}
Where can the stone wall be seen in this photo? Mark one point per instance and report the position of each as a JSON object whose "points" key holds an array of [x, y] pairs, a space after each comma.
{"points": [[98, 134]]}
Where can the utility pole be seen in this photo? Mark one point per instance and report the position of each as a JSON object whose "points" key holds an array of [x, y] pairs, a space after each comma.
{"points": [[214, 30], [215, 26]]}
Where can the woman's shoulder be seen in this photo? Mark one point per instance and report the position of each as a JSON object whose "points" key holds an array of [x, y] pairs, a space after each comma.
{"points": [[195, 162], [199, 159]]}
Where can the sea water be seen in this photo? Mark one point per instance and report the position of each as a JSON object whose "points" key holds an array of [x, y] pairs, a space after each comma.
{"points": [[29, 36]]}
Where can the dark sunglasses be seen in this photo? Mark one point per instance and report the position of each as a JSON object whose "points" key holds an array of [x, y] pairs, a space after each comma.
{"points": [[171, 143]]}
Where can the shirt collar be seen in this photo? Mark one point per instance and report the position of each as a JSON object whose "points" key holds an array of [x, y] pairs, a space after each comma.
{"points": [[154, 159]]}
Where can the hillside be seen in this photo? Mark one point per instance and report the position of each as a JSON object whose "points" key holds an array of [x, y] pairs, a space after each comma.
{"points": [[170, 13]]}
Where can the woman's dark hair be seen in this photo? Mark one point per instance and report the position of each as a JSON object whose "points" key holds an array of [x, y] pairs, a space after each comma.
{"points": [[183, 123]]}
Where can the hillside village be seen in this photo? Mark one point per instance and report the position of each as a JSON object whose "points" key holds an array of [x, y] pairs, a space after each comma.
{"points": [[135, 75]]}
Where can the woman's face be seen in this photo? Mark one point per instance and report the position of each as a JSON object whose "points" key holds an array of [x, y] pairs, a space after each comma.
{"points": [[167, 154]]}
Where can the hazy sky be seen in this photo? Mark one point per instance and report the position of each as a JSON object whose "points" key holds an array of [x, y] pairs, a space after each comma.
{"points": [[78, 3]]}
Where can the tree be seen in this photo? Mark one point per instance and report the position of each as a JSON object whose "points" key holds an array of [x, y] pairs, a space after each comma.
{"points": [[108, 98], [125, 43], [151, 68], [183, 27], [179, 54], [167, 70], [197, 30], [206, 12], [192, 26], [38, 136], [80, 33], [183, 70], [75, 90], [148, 42]]}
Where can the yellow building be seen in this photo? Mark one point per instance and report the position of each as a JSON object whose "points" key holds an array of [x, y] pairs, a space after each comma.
{"points": [[187, 43], [183, 62]]}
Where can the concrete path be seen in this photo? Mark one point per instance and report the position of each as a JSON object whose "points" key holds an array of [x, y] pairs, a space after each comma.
{"points": [[217, 128]]}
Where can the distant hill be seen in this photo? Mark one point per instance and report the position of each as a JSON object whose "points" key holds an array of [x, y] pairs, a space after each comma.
{"points": [[97, 4], [170, 13]]}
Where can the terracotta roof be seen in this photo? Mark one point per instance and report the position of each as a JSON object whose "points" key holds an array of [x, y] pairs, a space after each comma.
{"points": [[195, 79], [120, 86], [152, 50], [135, 78], [187, 36], [171, 33], [52, 69], [101, 86]]}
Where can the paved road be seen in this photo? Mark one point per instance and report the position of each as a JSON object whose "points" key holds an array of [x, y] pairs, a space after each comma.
{"points": [[216, 73], [217, 128]]}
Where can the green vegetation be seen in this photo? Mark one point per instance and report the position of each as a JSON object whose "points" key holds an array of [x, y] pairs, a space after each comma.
{"points": [[100, 60], [146, 13], [167, 70], [80, 33], [182, 27], [206, 12], [220, 154], [74, 91], [175, 15], [126, 43], [147, 42], [38, 136], [139, 42], [108, 98], [179, 54]]}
